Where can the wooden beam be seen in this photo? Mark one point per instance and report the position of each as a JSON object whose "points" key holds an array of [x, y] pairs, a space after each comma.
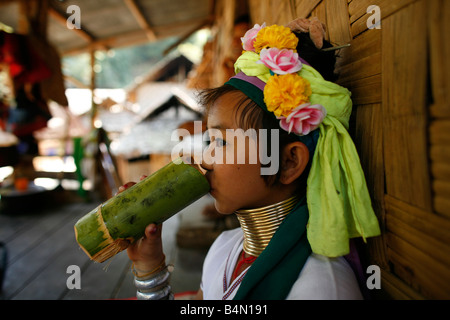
{"points": [[6, 2], [141, 20], [62, 20], [129, 38]]}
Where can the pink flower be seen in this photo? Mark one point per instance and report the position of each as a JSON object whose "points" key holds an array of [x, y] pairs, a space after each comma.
{"points": [[280, 61], [250, 36], [303, 119]]}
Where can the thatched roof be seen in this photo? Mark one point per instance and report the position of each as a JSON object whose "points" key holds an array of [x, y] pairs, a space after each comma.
{"points": [[114, 23]]}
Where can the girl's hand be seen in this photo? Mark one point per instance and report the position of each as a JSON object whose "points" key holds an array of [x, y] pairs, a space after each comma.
{"points": [[146, 253]]}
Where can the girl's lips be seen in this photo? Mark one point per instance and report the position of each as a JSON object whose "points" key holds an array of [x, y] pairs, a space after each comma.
{"points": [[208, 178], [212, 190]]}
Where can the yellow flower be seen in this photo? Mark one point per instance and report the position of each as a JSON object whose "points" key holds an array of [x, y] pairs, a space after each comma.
{"points": [[284, 93], [275, 37]]}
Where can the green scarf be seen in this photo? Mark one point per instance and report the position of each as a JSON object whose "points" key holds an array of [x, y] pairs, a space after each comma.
{"points": [[273, 273]]}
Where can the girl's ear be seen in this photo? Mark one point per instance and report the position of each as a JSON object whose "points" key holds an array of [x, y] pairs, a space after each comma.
{"points": [[294, 159]]}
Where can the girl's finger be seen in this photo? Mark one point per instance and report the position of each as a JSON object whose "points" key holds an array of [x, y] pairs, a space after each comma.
{"points": [[152, 230], [125, 186]]}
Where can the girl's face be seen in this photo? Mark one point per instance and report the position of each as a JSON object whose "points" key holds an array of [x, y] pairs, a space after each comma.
{"points": [[233, 170]]}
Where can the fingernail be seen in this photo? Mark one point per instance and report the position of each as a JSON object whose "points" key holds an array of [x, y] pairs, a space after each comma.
{"points": [[154, 230]]}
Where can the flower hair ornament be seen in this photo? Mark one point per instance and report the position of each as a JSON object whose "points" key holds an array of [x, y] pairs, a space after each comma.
{"points": [[272, 73], [286, 93]]}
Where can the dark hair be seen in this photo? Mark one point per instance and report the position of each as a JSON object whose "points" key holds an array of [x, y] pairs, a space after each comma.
{"points": [[252, 116], [323, 61]]}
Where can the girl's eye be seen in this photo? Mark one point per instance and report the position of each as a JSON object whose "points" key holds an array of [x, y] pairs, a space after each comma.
{"points": [[220, 142], [207, 139]]}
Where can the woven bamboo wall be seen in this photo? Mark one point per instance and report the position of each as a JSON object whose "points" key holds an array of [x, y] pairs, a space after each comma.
{"points": [[400, 124]]}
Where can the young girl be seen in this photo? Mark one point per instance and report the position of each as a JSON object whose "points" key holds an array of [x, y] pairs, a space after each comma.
{"points": [[295, 224]]}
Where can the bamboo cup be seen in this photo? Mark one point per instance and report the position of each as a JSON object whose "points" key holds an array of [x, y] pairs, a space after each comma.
{"points": [[114, 225]]}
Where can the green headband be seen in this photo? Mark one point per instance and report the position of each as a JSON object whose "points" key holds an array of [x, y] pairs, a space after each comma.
{"points": [[339, 203]]}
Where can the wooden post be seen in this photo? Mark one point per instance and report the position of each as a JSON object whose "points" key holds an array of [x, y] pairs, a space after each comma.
{"points": [[33, 17], [92, 87]]}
